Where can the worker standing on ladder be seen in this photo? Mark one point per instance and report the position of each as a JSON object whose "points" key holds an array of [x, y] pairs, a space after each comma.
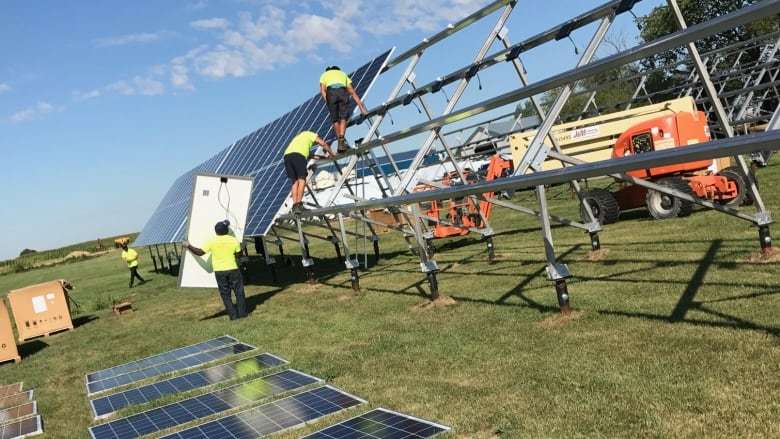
{"points": [[130, 256], [336, 89], [225, 249], [295, 157]]}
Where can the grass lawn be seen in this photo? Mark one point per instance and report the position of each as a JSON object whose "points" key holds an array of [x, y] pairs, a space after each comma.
{"points": [[674, 335]]}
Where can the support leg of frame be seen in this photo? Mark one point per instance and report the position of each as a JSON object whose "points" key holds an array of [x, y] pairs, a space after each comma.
{"points": [[595, 242], [765, 239], [375, 242], [562, 291], [336, 246], [491, 251]]}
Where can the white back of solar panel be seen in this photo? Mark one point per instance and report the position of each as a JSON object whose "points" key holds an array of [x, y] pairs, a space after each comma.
{"points": [[214, 198]]}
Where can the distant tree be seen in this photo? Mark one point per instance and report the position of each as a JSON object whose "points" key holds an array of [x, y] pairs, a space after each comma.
{"points": [[27, 251]]}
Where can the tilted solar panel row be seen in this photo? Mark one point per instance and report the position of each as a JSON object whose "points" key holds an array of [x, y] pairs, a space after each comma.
{"points": [[258, 155], [203, 406], [380, 423], [173, 366], [109, 404], [161, 358]]}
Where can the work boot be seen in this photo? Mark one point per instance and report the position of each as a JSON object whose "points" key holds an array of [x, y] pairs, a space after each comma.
{"points": [[343, 147]]}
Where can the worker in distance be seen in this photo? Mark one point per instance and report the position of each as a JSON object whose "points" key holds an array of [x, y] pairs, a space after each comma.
{"points": [[296, 157], [225, 250], [130, 256], [336, 90]]}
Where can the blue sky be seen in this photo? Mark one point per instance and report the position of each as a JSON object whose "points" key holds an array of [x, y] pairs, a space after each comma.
{"points": [[103, 104]]}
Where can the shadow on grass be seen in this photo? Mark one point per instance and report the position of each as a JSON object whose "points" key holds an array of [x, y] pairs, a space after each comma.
{"points": [[31, 348], [84, 320]]}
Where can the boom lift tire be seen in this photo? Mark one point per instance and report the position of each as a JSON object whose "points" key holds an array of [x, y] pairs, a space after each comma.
{"points": [[736, 175], [662, 206], [603, 204]]}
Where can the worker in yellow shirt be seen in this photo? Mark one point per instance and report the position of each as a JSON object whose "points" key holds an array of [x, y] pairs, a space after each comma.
{"points": [[336, 89], [130, 256], [296, 156], [224, 250]]}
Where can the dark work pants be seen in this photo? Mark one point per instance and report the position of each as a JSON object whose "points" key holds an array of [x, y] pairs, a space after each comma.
{"points": [[228, 281], [134, 275]]}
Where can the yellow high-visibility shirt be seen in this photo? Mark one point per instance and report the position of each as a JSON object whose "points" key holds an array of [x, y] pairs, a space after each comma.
{"points": [[223, 251], [131, 257], [335, 78], [302, 144]]}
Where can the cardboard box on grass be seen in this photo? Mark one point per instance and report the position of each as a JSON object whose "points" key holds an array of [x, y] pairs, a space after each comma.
{"points": [[40, 310], [8, 350]]}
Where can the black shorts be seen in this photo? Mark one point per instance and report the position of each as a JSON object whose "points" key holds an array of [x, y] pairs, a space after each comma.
{"points": [[338, 103], [295, 166]]}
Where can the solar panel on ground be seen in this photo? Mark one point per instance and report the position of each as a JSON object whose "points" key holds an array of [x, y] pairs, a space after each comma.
{"points": [[161, 358], [24, 428], [258, 155], [18, 412], [380, 424], [274, 417], [16, 400], [107, 405], [202, 406], [173, 366], [10, 389]]}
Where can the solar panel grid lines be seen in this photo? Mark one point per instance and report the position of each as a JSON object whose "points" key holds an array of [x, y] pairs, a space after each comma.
{"points": [[22, 428], [381, 423], [259, 155], [106, 406], [19, 412], [204, 406], [11, 389], [274, 417], [16, 400], [182, 364], [160, 358]]}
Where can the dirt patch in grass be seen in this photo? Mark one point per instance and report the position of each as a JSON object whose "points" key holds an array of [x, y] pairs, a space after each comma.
{"points": [[598, 255], [560, 320], [771, 256], [441, 302]]}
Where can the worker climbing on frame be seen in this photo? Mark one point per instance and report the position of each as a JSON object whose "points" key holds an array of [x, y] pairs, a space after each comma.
{"points": [[225, 250], [296, 156], [130, 256], [336, 89]]}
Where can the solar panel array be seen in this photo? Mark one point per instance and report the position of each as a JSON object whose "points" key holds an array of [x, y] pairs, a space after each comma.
{"points": [[275, 416], [24, 428], [259, 155], [172, 366], [202, 406], [107, 405], [10, 389], [16, 400], [22, 411], [161, 358], [380, 424]]}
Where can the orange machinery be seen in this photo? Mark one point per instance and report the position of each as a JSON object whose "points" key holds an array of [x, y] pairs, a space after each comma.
{"points": [[463, 214], [41, 309]]}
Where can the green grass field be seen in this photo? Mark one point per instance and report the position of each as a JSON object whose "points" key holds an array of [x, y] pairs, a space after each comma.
{"points": [[675, 334]]}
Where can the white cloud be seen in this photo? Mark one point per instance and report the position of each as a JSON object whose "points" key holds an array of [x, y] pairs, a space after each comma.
{"points": [[36, 112], [210, 23], [4, 88], [197, 5], [137, 86], [139, 38], [86, 95]]}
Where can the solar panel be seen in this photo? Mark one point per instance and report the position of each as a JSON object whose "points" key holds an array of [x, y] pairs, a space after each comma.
{"points": [[16, 400], [18, 412], [24, 428], [202, 406], [380, 423], [10, 389], [259, 155], [107, 405], [175, 365], [161, 358], [274, 417]]}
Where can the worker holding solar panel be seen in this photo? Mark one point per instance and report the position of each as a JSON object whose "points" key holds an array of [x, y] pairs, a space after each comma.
{"points": [[336, 89], [296, 156], [130, 256], [225, 251]]}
